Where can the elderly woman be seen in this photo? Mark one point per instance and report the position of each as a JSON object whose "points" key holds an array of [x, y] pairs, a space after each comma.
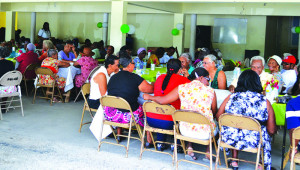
{"points": [[52, 63], [25, 59], [186, 66], [199, 56], [141, 52], [163, 86], [127, 85], [68, 54], [274, 63], [47, 44], [87, 64], [259, 108], [217, 76], [154, 58], [195, 96]]}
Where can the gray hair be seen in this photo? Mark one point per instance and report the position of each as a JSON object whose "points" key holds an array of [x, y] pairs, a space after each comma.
{"points": [[212, 58], [4, 52], [187, 56], [125, 61], [258, 58], [51, 52]]}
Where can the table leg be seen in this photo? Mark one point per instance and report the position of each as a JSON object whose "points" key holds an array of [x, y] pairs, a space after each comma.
{"points": [[283, 146]]}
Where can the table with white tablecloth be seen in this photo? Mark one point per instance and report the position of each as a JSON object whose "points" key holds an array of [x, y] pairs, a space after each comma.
{"points": [[69, 74]]}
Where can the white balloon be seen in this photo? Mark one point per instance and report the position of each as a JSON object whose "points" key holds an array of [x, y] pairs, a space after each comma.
{"points": [[293, 29], [131, 29], [104, 24], [179, 26]]}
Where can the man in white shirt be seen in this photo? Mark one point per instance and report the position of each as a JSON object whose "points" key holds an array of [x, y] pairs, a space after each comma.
{"points": [[289, 75], [168, 55], [257, 64]]}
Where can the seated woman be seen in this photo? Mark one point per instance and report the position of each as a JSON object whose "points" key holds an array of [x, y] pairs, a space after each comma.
{"points": [[68, 54], [199, 56], [141, 52], [87, 64], [196, 96], [127, 85], [25, 59], [274, 63], [47, 44], [154, 58], [52, 63], [164, 85], [100, 79], [186, 64], [217, 76], [259, 108]]}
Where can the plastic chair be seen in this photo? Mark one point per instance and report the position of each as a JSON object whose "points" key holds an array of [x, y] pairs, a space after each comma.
{"points": [[198, 118], [240, 122], [30, 67], [295, 157], [12, 78], [152, 107], [85, 90], [46, 71], [120, 103]]}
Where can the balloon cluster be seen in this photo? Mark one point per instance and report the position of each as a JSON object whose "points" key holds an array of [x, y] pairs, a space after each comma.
{"points": [[130, 29], [175, 31], [295, 29]]}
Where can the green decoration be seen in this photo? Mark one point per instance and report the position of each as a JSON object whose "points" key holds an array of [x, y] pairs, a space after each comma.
{"points": [[297, 29], [99, 25], [124, 28], [175, 31]]}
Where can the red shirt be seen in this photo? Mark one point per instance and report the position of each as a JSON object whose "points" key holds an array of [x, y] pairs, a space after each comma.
{"points": [[25, 59], [174, 82]]}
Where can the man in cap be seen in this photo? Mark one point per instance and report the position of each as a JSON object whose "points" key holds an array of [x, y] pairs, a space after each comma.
{"points": [[289, 75], [25, 59]]}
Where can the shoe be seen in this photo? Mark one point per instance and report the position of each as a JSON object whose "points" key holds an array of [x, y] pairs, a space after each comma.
{"points": [[235, 167], [190, 156], [160, 146], [111, 135], [179, 149], [149, 145]]}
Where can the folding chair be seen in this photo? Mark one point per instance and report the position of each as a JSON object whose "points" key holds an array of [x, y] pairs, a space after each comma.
{"points": [[12, 78], [46, 71], [88, 79], [152, 107], [120, 103], [30, 67], [295, 157], [85, 90], [240, 122], [198, 118]]}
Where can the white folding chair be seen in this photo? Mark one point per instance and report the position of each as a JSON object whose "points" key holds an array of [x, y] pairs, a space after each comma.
{"points": [[12, 78]]}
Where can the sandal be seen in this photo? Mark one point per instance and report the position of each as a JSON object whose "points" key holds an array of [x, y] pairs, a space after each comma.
{"points": [[234, 165], [190, 156]]}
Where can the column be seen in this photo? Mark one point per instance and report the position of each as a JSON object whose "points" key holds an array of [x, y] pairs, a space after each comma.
{"points": [[10, 25], [32, 28], [193, 35], [105, 30], [178, 41], [118, 17]]}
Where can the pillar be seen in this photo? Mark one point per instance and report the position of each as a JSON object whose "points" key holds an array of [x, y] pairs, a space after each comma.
{"points": [[10, 25], [178, 40], [105, 30], [32, 27], [118, 17], [193, 35]]}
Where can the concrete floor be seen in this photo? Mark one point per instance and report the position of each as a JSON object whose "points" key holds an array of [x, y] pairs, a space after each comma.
{"points": [[48, 138]]}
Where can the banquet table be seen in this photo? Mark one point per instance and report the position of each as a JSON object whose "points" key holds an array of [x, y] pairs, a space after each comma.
{"points": [[69, 74], [150, 75], [12, 59]]}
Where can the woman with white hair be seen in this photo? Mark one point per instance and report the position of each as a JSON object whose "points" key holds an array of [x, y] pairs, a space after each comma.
{"points": [[186, 67], [217, 76], [274, 63]]}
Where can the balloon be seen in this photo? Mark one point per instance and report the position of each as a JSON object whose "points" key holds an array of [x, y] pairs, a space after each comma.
{"points": [[175, 31], [99, 25], [293, 29], [104, 25], [179, 26], [124, 28], [131, 29], [297, 29]]}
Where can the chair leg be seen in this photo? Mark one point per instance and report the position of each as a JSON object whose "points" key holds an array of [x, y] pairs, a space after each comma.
{"points": [[210, 153], [218, 155], [257, 157], [21, 103], [225, 157], [262, 157], [100, 138], [0, 113], [152, 138], [34, 95], [77, 96], [129, 134], [60, 95], [25, 82], [215, 145], [175, 147], [287, 157], [52, 95], [7, 108], [82, 115], [142, 145], [292, 159]]}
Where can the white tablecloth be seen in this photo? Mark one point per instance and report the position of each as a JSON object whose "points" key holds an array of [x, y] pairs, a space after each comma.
{"points": [[69, 74]]}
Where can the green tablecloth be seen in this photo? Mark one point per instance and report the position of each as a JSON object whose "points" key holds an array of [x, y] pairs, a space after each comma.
{"points": [[12, 59], [101, 60], [279, 111], [243, 69], [150, 75]]}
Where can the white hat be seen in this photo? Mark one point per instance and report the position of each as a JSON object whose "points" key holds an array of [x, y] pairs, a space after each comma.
{"points": [[276, 58]]}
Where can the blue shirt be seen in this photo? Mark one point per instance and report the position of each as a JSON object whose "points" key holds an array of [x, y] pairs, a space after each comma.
{"points": [[136, 60], [63, 56], [293, 113]]}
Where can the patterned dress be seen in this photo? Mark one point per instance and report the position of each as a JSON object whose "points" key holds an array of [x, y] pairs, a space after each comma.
{"points": [[278, 76], [253, 105], [52, 64], [196, 96], [87, 65]]}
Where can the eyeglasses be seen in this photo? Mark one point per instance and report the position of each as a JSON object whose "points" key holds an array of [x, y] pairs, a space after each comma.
{"points": [[284, 63], [207, 78]]}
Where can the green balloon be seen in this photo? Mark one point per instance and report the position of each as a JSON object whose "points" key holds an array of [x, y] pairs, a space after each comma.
{"points": [[124, 28], [297, 29], [175, 31], [99, 25]]}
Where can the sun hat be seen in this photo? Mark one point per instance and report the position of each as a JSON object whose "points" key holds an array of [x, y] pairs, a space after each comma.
{"points": [[276, 58]]}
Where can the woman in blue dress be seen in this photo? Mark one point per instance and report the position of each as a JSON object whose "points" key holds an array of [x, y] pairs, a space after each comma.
{"points": [[247, 100]]}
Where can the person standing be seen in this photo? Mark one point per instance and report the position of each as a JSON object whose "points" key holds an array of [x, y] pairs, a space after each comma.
{"points": [[44, 33]]}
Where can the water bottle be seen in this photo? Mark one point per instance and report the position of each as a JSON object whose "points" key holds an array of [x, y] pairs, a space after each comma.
{"points": [[157, 74], [137, 66], [144, 64]]}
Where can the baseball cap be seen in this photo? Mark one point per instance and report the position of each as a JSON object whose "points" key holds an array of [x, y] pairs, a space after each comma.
{"points": [[289, 59], [276, 58]]}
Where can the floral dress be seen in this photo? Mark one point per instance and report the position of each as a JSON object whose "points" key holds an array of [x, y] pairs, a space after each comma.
{"points": [[278, 76], [52, 64], [253, 105], [196, 96], [87, 65]]}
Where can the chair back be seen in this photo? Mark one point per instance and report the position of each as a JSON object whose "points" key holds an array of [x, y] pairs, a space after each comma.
{"points": [[295, 135], [86, 89], [44, 70], [92, 73], [191, 117], [239, 122], [115, 102], [152, 107], [31, 67], [11, 78]]}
